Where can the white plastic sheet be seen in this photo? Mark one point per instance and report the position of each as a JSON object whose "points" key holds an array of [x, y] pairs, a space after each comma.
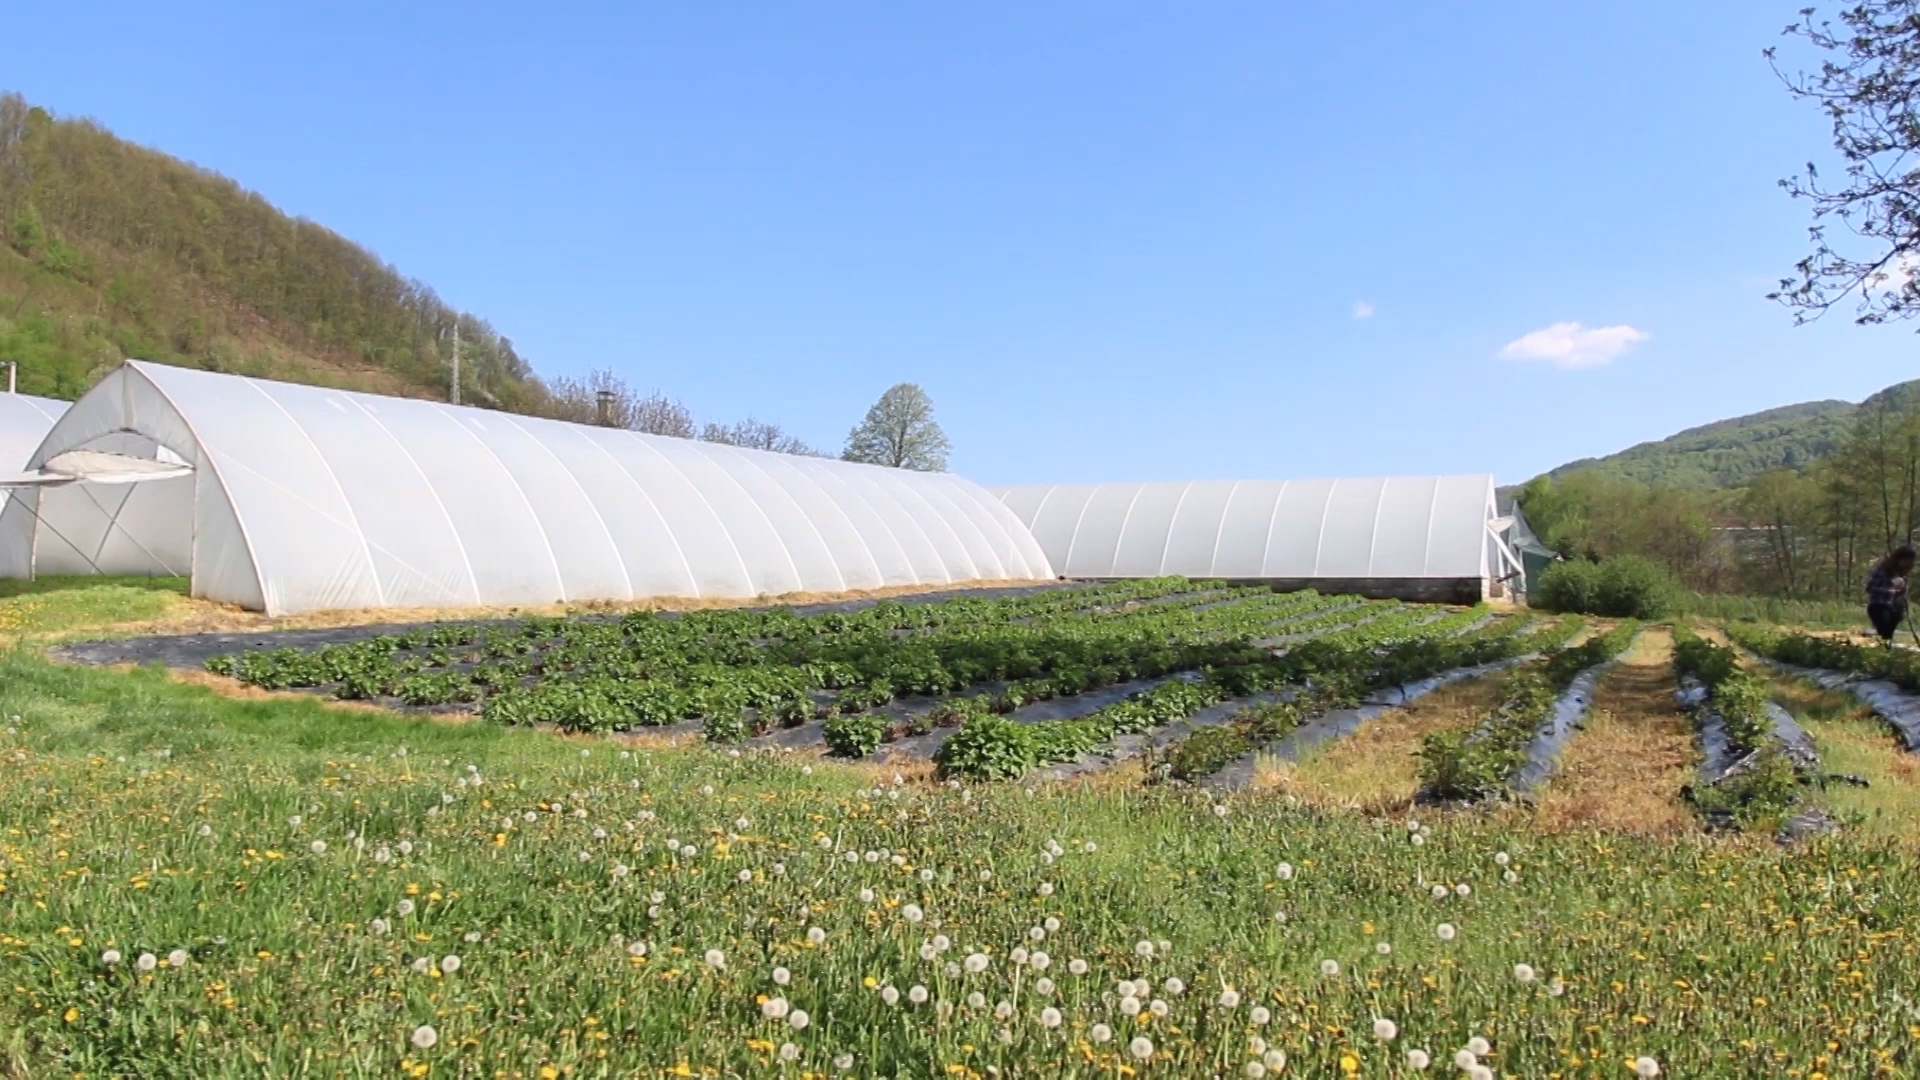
{"points": [[1368, 527], [305, 498], [24, 421]]}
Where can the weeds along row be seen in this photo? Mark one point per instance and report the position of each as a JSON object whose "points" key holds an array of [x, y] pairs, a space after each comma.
{"points": [[743, 673], [1338, 670], [1482, 760], [1753, 781], [1898, 666]]}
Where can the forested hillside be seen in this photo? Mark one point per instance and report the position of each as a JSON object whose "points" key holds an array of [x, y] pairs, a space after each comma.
{"points": [[1792, 502], [1730, 453], [114, 250]]}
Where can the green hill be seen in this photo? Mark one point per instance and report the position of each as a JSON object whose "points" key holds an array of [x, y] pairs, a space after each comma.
{"points": [[1729, 453], [113, 250]]}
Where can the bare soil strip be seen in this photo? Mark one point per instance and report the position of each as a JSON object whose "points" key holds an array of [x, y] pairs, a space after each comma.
{"points": [[1377, 768], [1623, 772]]}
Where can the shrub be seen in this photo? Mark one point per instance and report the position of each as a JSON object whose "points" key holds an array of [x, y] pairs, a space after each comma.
{"points": [[1622, 587], [1573, 585], [1635, 587], [857, 735]]}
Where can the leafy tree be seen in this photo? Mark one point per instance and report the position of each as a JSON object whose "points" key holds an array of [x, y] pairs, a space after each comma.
{"points": [[900, 432], [1868, 85]]}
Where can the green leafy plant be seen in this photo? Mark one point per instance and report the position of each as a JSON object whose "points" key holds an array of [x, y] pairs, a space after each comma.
{"points": [[856, 734]]}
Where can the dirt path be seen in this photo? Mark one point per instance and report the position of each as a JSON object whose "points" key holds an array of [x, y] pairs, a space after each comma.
{"points": [[1377, 768], [1623, 773]]}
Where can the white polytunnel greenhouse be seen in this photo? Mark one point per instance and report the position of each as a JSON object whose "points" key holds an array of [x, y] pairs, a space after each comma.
{"points": [[1411, 537], [24, 421], [285, 498]]}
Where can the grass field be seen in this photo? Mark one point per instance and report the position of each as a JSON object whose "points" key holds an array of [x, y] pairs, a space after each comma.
{"points": [[286, 887]]}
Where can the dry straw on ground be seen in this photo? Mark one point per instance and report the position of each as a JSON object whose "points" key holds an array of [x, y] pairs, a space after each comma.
{"points": [[1624, 772]]}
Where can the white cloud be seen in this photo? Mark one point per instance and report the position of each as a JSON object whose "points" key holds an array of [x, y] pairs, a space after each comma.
{"points": [[1363, 309], [1570, 345]]}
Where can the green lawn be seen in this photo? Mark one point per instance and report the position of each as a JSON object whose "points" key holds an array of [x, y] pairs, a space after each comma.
{"points": [[53, 604], [266, 838]]}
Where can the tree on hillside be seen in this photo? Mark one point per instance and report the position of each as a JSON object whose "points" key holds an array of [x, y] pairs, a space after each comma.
{"points": [[757, 435], [900, 432], [1868, 85]]}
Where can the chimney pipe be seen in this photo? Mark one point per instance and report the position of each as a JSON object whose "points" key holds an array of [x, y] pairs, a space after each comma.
{"points": [[606, 407]]}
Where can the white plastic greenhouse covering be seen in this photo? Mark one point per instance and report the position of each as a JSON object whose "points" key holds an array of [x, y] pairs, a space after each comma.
{"points": [[24, 421], [1381, 529], [304, 499]]}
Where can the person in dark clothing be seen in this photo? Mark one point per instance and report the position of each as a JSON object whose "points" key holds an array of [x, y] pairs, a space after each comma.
{"points": [[1887, 592]]}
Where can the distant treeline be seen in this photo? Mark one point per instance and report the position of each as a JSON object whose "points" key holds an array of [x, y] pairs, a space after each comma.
{"points": [[1797, 533]]}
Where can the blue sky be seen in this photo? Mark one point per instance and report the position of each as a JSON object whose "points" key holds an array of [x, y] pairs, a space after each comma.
{"points": [[1112, 240]]}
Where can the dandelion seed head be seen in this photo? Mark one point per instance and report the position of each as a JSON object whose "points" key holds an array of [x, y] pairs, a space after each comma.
{"points": [[424, 1037], [816, 935], [146, 962], [788, 1051], [889, 995], [798, 1019], [177, 958], [917, 994], [1077, 966], [1523, 973], [1446, 931], [449, 964], [1417, 1060], [1284, 871], [1646, 1066], [1050, 1017], [715, 959], [110, 957], [1384, 1029], [1329, 968], [1275, 1059], [1100, 1033], [1229, 998], [1479, 1047], [1259, 1015], [774, 1008]]}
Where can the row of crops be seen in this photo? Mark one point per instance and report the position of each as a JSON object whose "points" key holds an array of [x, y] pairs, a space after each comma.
{"points": [[1160, 651]]}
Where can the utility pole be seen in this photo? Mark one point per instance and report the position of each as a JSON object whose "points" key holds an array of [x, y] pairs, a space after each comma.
{"points": [[453, 394]]}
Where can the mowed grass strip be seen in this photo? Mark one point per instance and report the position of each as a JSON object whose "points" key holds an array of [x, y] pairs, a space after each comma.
{"points": [[1376, 769], [1854, 742], [1623, 772]]}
